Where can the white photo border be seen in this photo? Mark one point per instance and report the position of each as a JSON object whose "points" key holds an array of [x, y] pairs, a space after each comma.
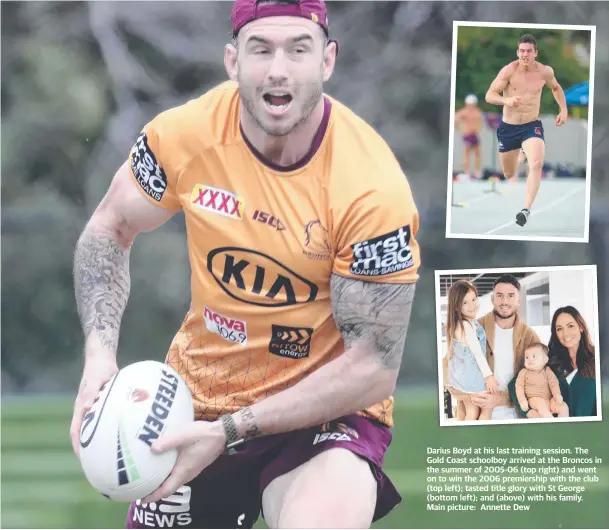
{"points": [[596, 338], [453, 76]]}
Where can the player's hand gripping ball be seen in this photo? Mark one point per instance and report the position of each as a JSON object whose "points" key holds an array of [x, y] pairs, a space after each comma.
{"points": [[141, 402]]}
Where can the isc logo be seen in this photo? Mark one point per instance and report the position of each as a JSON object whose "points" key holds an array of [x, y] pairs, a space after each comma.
{"points": [[338, 436], [267, 218], [217, 201]]}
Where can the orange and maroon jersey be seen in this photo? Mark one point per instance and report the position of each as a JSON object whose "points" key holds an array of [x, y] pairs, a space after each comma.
{"points": [[263, 242]]}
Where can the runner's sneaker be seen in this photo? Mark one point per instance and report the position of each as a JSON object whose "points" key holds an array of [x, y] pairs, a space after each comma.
{"points": [[523, 216]]}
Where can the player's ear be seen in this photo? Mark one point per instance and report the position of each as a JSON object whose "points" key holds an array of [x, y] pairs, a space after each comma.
{"points": [[230, 61], [329, 59]]}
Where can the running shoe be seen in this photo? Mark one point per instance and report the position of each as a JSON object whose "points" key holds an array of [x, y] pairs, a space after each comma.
{"points": [[523, 216]]}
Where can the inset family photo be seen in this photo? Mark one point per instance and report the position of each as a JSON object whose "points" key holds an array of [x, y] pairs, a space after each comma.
{"points": [[521, 131], [518, 345]]}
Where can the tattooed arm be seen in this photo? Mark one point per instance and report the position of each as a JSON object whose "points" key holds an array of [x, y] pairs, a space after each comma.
{"points": [[101, 284], [373, 319], [101, 260], [101, 281]]}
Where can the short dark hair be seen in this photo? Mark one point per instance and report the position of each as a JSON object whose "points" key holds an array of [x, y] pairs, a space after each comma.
{"points": [[527, 39], [507, 278]]}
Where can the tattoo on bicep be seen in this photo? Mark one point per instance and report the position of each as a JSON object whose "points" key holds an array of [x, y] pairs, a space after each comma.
{"points": [[252, 429], [376, 314], [101, 285]]}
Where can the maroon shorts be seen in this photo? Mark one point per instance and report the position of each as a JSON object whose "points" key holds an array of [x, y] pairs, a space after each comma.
{"points": [[471, 140], [228, 493]]}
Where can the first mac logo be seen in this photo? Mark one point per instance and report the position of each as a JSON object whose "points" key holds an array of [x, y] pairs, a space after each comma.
{"points": [[146, 169]]}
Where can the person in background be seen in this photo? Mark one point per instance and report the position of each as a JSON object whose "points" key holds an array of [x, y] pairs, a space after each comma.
{"points": [[469, 121]]}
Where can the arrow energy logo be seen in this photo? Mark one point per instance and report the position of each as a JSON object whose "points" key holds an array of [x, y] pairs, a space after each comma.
{"points": [[294, 343]]}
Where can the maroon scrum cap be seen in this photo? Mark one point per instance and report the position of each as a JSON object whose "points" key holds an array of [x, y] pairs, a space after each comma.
{"points": [[245, 11]]}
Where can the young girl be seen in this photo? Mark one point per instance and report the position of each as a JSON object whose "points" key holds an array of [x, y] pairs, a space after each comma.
{"points": [[468, 370]]}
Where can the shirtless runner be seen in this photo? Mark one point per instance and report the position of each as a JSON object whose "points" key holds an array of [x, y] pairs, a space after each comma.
{"points": [[518, 88], [469, 121]]}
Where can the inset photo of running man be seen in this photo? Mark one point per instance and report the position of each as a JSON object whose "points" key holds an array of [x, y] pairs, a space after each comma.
{"points": [[521, 131]]}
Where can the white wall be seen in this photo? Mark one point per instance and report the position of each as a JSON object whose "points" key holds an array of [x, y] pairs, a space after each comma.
{"points": [[486, 306], [536, 316], [575, 288]]}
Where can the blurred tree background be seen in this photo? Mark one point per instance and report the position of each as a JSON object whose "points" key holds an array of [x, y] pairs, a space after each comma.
{"points": [[80, 80], [483, 52]]}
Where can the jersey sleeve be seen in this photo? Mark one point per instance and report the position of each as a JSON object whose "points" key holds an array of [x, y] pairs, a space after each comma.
{"points": [[375, 234], [152, 170]]}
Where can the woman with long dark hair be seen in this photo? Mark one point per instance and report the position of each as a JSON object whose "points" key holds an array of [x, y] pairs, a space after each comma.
{"points": [[571, 355]]}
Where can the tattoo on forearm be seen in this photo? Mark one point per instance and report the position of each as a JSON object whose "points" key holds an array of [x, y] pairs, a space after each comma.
{"points": [[252, 429], [374, 314], [101, 284]]}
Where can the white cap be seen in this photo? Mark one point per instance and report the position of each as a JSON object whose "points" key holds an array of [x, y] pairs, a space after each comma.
{"points": [[471, 99]]}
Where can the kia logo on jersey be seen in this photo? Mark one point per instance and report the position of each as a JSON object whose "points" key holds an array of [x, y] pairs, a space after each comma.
{"points": [[255, 278], [217, 201]]}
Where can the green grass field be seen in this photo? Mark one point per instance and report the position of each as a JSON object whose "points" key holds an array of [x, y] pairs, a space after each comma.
{"points": [[43, 487]]}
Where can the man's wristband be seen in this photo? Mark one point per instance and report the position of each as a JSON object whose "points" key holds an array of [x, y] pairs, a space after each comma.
{"points": [[230, 429]]}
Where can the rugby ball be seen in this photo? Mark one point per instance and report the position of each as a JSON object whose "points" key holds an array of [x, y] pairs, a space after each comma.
{"points": [[133, 409]]}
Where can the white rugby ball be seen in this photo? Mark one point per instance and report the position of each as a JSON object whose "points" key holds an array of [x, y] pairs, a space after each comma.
{"points": [[141, 402]]}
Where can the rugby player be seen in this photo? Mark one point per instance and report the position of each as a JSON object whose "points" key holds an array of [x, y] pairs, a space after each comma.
{"points": [[301, 235], [518, 88]]}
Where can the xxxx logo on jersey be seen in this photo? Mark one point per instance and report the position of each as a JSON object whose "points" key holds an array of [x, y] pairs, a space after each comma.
{"points": [[217, 201]]}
